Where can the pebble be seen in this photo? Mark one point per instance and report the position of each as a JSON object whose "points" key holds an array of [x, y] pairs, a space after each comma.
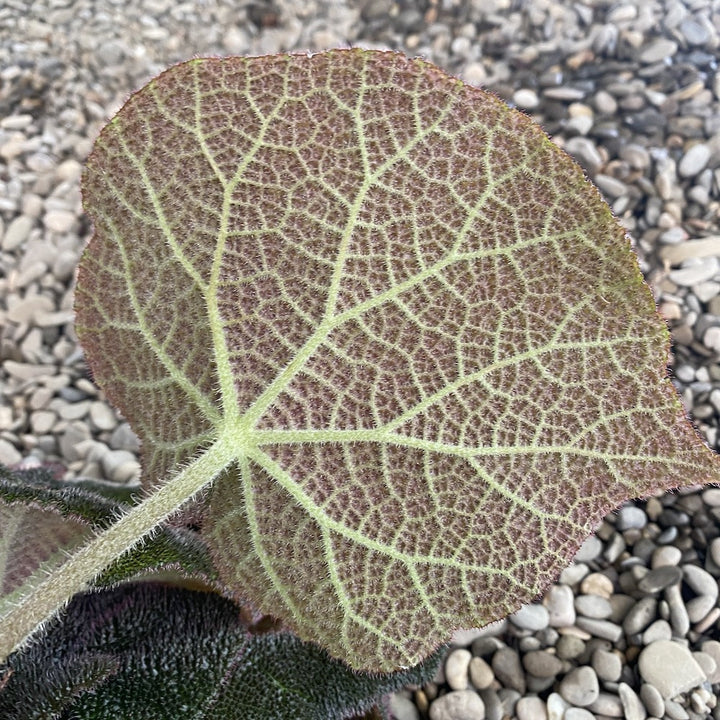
{"points": [[481, 674], [593, 606], [597, 584], [600, 628], [542, 664], [458, 705], [531, 617], [456, 669], [694, 160], [660, 578], [633, 707], [607, 705], [640, 615], [531, 708], [526, 99], [652, 699], [559, 602], [580, 686], [403, 708], [695, 271], [657, 51], [17, 232], [574, 713], [556, 706], [508, 669], [607, 665], [670, 667]]}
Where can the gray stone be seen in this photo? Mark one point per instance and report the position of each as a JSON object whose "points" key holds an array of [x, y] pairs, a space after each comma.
{"points": [[670, 667], [679, 619], [632, 706], [652, 699], [701, 581], [9, 454], [600, 628], [608, 705], [458, 705], [675, 711], [580, 686], [659, 630], [630, 516], [481, 674], [556, 706], [559, 601], [695, 271], [508, 670], [574, 713], [531, 708], [542, 664], [607, 665], [28, 308], [585, 152], [694, 160], [456, 669], [531, 617], [593, 606], [657, 51], [16, 232], [403, 708], [712, 648], [660, 578], [102, 416], [526, 99]]}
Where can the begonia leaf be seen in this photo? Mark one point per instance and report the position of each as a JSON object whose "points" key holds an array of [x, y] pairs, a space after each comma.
{"points": [[391, 322]]}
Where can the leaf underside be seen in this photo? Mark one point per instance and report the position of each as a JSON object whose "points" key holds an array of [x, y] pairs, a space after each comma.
{"points": [[412, 325]]}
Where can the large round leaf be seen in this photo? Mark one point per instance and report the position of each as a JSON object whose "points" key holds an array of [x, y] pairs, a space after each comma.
{"points": [[400, 325]]}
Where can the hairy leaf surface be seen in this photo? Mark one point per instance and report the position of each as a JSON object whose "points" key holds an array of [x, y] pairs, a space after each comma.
{"points": [[42, 520], [151, 652], [394, 324]]}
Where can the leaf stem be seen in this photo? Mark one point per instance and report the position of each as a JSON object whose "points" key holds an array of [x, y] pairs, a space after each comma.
{"points": [[46, 599]]}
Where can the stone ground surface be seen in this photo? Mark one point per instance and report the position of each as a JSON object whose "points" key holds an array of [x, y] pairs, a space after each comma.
{"points": [[630, 89]]}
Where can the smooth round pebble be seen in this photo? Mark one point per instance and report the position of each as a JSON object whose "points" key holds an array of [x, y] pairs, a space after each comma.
{"points": [[481, 674], [580, 686], [666, 555], [630, 516], [574, 713], [556, 706], [597, 584], [526, 99], [508, 670], [631, 703], [593, 606], [670, 667], [660, 578], [652, 699], [559, 602], [456, 668], [607, 665], [589, 550], [542, 664], [531, 617], [694, 160], [608, 705], [530, 708], [458, 705], [403, 708]]}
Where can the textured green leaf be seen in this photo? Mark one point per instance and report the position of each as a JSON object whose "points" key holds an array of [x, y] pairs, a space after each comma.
{"points": [[151, 652], [44, 519], [391, 321], [34, 541]]}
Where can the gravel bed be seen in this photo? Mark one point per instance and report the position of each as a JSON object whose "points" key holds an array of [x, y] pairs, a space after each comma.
{"points": [[630, 89]]}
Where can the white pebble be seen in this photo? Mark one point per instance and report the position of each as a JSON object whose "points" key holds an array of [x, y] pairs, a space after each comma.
{"points": [[694, 160], [458, 705], [456, 669], [580, 686], [670, 667], [531, 708], [526, 99], [531, 617]]}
